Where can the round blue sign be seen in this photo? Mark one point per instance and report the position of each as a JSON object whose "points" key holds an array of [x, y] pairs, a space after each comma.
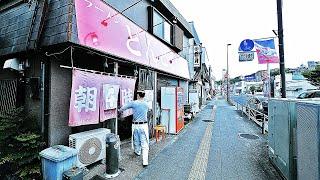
{"points": [[246, 45]]}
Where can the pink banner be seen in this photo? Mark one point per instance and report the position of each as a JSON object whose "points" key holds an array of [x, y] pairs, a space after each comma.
{"points": [[103, 28], [266, 51], [127, 86], [93, 92], [109, 102], [84, 102]]}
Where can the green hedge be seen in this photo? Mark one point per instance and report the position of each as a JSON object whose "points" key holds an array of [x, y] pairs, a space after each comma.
{"points": [[20, 144]]}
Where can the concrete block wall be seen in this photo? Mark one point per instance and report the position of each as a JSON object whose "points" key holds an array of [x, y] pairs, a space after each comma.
{"points": [[60, 91]]}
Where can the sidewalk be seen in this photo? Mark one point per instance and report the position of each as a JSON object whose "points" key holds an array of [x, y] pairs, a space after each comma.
{"points": [[130, 164], [205, 149], [222, 154]]}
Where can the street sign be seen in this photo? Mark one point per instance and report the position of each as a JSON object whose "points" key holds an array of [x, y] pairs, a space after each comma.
{"points": [[246, 56], [246, 45]]}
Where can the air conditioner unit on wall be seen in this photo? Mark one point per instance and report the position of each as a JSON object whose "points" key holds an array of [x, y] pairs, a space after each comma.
{"points": [[91, 146]]}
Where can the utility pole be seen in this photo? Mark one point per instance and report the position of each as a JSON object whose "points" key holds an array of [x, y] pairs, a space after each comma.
{"points": [[228, 72], [281, 49]]}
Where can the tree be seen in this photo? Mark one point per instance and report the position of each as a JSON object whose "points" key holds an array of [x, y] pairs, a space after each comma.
{"points": [[275, 72], [313, 76], [219, 82], [20, 144], [252, 89], [235, 80]]}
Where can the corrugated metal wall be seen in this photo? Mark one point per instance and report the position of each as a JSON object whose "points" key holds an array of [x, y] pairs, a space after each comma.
{"points": [[8, 95]]}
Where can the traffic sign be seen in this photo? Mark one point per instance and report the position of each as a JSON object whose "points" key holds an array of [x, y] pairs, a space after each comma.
{"points": [[246, 45], [246, 56]]}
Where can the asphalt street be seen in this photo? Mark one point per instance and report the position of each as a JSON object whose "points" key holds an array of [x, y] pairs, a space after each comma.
{"points": [[214, 150]]}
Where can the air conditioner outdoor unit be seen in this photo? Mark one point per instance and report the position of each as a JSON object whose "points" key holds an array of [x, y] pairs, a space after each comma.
{"points": [[91, 146]]}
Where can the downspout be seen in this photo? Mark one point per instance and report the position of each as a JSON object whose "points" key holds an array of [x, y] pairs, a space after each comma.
{"points": [[45, 67]]}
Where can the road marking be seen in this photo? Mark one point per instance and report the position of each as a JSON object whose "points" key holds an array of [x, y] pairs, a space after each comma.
{"points": [[199, 166]]}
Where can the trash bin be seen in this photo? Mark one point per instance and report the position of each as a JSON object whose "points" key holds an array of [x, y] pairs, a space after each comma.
{"points": [[57, 159], [73, 174], [112, 155]]}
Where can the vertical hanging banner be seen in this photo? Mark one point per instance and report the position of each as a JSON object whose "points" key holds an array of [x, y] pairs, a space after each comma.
{"points": [[126, 88], [94, 97], [109, 102], [266, 51], [84, 102]]}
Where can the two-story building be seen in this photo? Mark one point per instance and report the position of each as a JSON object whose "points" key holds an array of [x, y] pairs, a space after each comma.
{"points": [[42, 42]]}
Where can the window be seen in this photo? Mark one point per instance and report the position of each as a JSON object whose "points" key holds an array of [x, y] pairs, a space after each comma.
{"points": [[161, 27], [167, 31], [317, 94]]}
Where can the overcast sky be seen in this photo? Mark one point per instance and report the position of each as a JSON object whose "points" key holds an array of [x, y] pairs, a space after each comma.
{"points": [[219, 22]]}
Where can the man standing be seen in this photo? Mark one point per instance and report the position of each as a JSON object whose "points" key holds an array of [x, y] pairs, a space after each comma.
{"points": [[140, 132]]}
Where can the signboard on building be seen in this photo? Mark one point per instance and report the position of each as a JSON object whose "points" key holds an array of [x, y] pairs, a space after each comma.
{"points": [[101, 27], [197, 56], [250, 77]]}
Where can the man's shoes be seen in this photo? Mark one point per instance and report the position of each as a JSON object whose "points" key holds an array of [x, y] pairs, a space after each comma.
{"points": [[137, 154]]}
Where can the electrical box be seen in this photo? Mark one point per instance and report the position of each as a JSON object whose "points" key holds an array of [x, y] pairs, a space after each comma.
{"points": [[308, 140], [281, 134]]}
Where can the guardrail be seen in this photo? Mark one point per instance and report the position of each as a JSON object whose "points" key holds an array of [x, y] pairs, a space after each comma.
{"points": [[258, 117]]}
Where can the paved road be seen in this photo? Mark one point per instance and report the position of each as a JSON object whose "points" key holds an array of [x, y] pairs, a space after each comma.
{"points": [[214, 150]]}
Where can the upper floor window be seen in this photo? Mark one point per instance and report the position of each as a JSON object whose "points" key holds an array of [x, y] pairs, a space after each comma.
{"points": [[161, 27]]}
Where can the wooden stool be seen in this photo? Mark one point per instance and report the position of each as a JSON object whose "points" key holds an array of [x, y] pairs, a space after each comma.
{"points": [[160, 129]]}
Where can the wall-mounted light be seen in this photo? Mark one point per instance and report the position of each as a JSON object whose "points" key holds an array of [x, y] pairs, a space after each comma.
{"points": [[105, 64], [175, 20]]}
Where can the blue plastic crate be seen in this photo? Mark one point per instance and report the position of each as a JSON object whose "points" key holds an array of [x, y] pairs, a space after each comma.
{"points": [[57, 159]]}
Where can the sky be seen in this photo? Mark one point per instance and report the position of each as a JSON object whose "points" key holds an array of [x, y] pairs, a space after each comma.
{"points": [[219, 22]]}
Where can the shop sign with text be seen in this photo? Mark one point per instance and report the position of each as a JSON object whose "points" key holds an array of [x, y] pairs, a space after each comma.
{"points": [[103, 28]]}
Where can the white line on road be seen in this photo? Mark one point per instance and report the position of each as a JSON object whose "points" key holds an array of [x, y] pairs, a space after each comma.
{"points": [[199, 166]]}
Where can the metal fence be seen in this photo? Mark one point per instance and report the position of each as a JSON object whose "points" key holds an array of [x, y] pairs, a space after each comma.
{"points": [[258, 117], [8, 95]]}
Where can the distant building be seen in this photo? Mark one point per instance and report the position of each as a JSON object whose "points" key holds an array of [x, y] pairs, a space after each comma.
{"points": [[295, 85], [312, 65], [302, 68]]}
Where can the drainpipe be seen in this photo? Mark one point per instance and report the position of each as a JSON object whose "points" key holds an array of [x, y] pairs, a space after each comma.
{"points": [[44, 99]]}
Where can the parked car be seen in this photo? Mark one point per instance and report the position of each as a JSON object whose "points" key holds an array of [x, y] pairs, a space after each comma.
{"points": [[309, 94], [259, 103]]}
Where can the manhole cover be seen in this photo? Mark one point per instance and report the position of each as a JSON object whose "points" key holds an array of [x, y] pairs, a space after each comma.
{"points": [[248, 136], [208, 120], [209, 107]]}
